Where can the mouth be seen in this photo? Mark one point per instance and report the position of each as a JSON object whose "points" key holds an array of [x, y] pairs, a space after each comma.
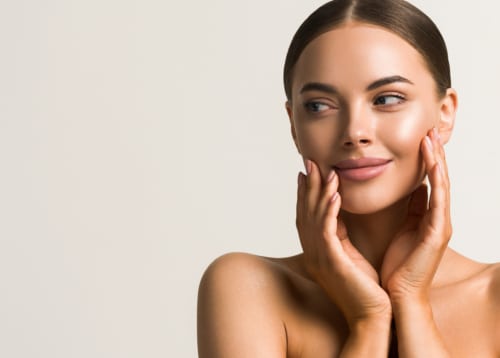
{"points": [[361, 169]]}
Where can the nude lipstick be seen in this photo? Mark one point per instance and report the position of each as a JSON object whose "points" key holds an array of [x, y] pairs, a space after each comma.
{"points": [[361, 169]]}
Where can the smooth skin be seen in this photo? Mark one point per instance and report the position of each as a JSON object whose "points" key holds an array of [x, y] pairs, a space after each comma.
{"points": [[373, 250]]}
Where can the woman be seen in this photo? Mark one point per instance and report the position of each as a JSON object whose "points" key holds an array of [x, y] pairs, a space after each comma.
{"points": [[370, 104]]}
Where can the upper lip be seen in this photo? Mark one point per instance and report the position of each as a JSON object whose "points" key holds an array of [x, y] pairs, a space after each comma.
{"points": [[360, 163]]}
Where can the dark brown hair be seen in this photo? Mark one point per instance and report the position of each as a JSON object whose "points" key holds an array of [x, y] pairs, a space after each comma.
{"points": [[397, 16]]}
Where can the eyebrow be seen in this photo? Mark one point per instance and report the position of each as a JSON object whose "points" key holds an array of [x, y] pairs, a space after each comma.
{"points": [[323, 87], [387, 80]]}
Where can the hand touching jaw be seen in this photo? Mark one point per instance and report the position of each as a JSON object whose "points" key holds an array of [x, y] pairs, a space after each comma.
{"points": [[363, 110]]}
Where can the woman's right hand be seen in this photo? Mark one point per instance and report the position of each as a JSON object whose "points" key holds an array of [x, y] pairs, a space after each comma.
{"points": [[330, 258]]}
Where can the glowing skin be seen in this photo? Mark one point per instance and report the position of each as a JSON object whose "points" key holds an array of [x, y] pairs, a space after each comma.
{"points": [[363, 102], [350, 115]]}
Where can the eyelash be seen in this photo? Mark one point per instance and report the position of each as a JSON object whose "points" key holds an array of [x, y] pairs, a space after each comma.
{"points": [[309, 106], [400, 98]]}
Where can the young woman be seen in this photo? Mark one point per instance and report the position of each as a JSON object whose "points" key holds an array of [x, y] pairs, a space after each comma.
{"points": [[370, 104]]}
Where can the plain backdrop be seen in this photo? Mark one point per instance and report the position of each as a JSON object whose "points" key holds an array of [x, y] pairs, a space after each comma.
{"points": [[139, 140]]}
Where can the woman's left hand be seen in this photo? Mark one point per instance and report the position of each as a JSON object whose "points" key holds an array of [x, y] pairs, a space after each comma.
{"points": [[415, 253]]}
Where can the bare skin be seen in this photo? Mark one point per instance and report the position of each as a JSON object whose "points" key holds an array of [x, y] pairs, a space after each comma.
{"points": [[374, 249], [247, 299]]}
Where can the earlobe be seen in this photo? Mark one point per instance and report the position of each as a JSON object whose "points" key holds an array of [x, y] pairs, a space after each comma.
{"points": [[289, 111], [448, 110]]}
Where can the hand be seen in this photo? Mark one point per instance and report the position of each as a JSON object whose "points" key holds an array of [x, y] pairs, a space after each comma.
{"points": [[329, 257], [415, 253]]}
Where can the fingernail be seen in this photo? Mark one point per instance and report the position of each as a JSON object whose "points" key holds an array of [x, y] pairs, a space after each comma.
{"points": [[335, 196], [308, 166], [330, 176]]}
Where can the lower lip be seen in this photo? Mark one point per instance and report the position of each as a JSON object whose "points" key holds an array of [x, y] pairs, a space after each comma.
{"points": [[361, 174]]}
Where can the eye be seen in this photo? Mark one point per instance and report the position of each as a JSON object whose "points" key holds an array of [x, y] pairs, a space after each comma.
{"points": [[389, 100], [316, 107]]}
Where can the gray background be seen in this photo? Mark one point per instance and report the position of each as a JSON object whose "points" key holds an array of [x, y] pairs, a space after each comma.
{"points": [[139, 140]]}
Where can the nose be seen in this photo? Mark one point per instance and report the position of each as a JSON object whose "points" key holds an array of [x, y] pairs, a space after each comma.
{"points": [[359, 128]]}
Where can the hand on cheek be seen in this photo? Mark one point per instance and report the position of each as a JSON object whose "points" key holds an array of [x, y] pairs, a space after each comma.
{"points": [[415, 253], [329, 257]]}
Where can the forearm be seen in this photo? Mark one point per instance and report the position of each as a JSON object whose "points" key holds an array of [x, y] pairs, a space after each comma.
{"points": [[417, 332], [368, 339]]}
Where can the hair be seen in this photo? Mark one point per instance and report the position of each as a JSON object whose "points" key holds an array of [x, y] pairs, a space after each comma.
{"points": [[397, 16]]}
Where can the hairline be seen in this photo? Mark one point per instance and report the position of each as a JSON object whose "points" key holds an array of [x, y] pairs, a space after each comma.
{"points": [[352, 19]]}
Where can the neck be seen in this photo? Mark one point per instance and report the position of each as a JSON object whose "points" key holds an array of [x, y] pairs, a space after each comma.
{"points": [[372, 233]]}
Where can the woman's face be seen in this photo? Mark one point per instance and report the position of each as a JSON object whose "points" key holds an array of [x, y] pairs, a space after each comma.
{"points": [[362, 101]]}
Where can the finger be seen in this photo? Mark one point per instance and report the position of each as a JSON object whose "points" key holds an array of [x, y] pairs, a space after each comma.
{"points": [[439, 208], [440, 178], [427, 149], [438, 201], [330, 188], [313, 186], [301, 193], [332, 212], [439, 153]]}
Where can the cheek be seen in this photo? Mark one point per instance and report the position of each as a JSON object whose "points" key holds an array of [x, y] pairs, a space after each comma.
{"points": [[406, 131], [316, 141]]}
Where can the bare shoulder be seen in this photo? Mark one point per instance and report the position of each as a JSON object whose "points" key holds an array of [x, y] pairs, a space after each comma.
{"points": [[494, 272], [241, 266], [494, 296], [238, 307], [235, 273]]}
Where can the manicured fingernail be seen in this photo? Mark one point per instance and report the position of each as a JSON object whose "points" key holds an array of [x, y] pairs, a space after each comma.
{"points": [[335, 196], [429, 141], [330, 176], [308, 166]]}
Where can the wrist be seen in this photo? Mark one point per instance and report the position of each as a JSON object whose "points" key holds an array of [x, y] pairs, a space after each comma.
{"points": [[380, 322], [415, 303], [368, 337]]}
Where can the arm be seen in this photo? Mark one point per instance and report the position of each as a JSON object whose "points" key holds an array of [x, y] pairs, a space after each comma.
{"points": [[368, 339], [417, 332], [414, 256], [339, 269], [237, 313]]}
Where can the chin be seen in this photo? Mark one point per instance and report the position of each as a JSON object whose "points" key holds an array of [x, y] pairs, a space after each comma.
{"points": [[380, 194], [362, 208], [366, 203]]}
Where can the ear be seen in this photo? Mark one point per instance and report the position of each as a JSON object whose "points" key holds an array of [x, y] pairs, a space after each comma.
{"points": [[288, 106], [447, 111]]}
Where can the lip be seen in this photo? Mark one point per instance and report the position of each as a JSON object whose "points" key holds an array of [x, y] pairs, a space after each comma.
{"points": [[361, 169]]}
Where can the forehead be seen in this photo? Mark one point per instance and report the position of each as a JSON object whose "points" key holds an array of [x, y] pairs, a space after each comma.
{"points": [[356, 54]]}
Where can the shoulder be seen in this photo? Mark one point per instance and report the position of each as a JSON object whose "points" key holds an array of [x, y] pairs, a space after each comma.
{"points": [[236, 272], [495, 279], [237, 264], [494, 287], [494, 298], [493, 274], [238, 308]]}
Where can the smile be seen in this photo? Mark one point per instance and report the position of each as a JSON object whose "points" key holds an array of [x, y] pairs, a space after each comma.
{"points": [[361, 169]]}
